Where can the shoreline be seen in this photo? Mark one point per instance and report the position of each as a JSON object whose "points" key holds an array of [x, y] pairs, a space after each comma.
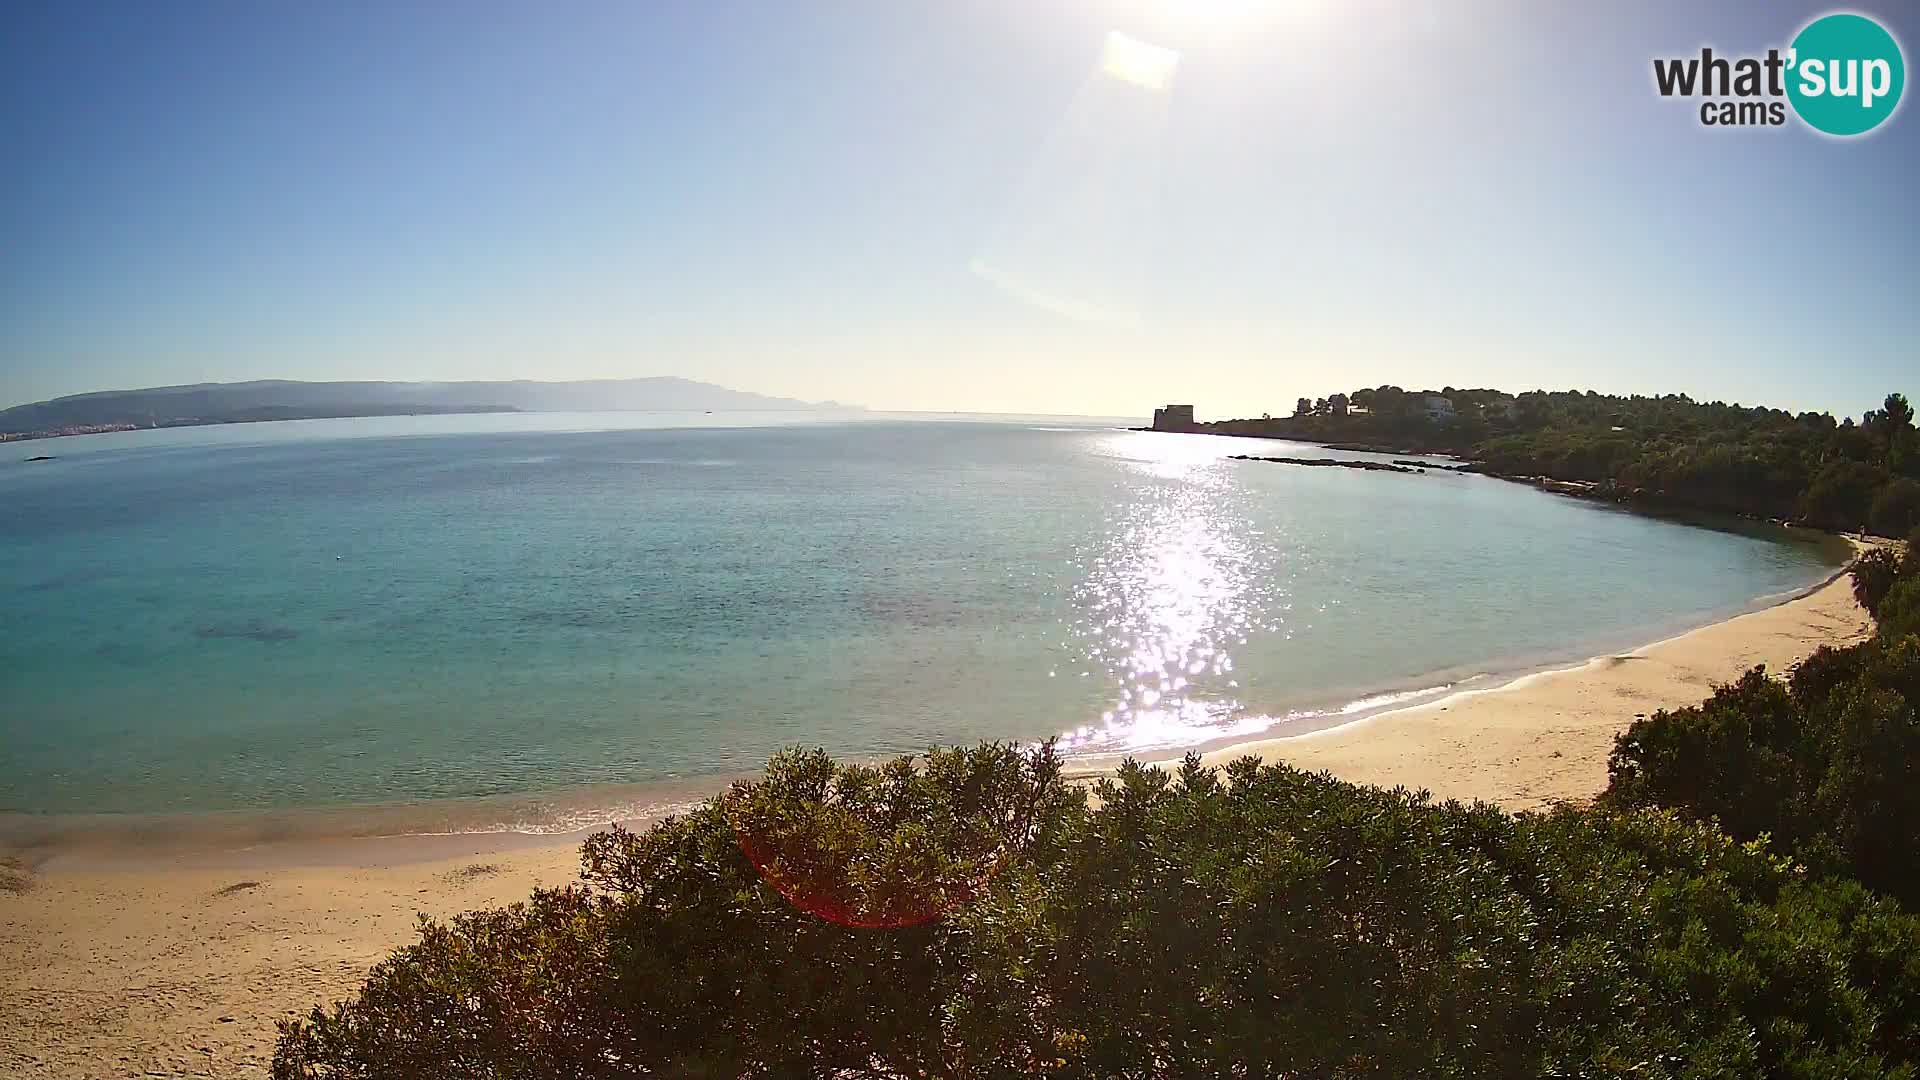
{"points": [[1416, 693], [383, 834], [1457, 461], [181, 965], [347, 835], [1544, 736]]}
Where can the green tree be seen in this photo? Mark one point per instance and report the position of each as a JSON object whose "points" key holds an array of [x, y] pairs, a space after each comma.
{"points": [[1840, 496], [1256, 921], [1899, 413], [1744, 757], [1899, 612], [1896, 508], [1669, 450], [1822, 764], [1874, 575]]}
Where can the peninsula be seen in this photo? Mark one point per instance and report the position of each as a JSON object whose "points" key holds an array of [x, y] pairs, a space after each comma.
{"points": [[1667, 452]]}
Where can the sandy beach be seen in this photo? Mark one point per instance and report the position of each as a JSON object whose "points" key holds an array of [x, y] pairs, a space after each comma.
{"points": [[181, 966], [1544, 738]]}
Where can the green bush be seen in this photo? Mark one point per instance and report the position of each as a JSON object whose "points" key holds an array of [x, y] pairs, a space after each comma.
{"points": [[1744, 757], [1899, 613], [1874, 574], [1822, 764], [977, 916]]}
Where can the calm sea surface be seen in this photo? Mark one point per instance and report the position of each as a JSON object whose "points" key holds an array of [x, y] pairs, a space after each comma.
{"points": [[403, 609]]}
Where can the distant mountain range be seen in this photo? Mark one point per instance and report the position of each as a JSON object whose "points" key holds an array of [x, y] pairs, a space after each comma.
{"points": [[226, 403]]}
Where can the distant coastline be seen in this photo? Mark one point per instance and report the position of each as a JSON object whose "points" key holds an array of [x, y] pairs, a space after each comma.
{"points": [[1585, 489], [257, 416], [202, 404]]}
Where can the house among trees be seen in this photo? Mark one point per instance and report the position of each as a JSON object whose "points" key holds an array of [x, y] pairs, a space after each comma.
{"points": [[1439, 407]]}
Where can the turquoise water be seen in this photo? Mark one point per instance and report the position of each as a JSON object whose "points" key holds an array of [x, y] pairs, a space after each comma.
{"points": [[405, 609]]}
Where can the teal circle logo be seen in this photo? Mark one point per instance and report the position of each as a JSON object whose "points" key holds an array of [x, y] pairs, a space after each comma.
{"points": [[1845, 74]]}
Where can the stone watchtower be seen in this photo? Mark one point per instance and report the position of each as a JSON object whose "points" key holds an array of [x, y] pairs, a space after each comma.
{"points": [[1173, 418]]}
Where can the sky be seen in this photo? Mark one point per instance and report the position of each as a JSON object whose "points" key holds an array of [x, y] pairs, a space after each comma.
{"points": [[941, 206]]}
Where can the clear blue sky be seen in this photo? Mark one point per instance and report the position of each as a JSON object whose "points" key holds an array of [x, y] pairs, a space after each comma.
{"points": [[787, 197]]}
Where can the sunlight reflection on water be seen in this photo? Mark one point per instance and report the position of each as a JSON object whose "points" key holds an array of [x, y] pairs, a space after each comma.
{"points": [[1181, 578]]}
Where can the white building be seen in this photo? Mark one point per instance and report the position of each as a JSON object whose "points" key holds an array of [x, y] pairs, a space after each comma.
{"points": [[1439, 407]]}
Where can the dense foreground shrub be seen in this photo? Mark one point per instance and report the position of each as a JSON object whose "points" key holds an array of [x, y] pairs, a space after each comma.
{"points": [[1824, 763], [1874, 575], [1878, 573], [977, 916], [1899, 613]]}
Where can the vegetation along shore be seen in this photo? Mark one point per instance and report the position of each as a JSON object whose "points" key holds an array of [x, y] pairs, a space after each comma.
{"points": [[1670, 451]]}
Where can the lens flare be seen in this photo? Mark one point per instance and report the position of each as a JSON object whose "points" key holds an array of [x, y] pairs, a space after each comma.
{"points": [[1076, 236], [1134, 61]]}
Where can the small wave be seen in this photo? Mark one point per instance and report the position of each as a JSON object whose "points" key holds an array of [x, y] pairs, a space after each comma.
{"points": [[1380, 701], [695, 463], [584, 819], [1157, 731]]}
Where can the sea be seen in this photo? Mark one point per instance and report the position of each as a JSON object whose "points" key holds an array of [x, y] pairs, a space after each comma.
{"points": [[550, 619]]}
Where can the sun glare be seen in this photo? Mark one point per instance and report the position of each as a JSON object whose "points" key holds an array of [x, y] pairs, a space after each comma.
{"points": [[1134, 61], [1232, 12], [1216, 27]]}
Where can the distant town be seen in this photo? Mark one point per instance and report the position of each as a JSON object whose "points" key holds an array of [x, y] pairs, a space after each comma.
{"points": [[72, 429]]}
